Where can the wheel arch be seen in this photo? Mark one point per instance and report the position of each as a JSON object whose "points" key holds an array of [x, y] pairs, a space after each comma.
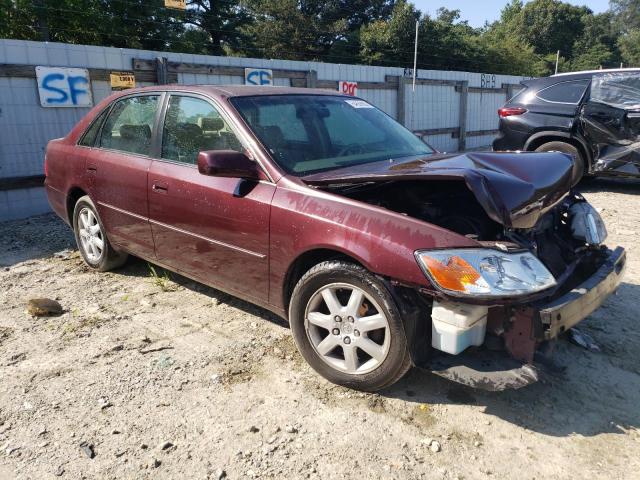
{"points": [[74, 194], [541, 138], [305, 261]]}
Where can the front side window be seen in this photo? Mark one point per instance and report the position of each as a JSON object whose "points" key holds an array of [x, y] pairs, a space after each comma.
{"points": [[311, 133], [617, 89], [192, 125], [129, 125], [564, 92]]}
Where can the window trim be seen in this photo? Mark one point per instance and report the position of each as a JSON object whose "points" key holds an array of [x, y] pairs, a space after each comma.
{"points": [[153, 129], [586, 89], [107, 111], [100, 117], [244, 140]]}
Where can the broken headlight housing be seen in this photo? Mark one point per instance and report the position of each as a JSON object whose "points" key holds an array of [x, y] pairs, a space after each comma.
{"points": [[484, 272], [586, 224]]}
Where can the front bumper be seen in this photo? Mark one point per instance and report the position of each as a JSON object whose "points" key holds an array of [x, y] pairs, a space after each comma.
{"points": [[522, 329], [566, 311]]}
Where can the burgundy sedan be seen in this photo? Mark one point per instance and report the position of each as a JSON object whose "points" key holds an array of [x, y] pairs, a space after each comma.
{"points": [[380, 252]]}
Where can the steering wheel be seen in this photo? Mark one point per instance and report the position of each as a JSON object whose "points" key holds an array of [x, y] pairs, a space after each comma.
{"points": [[352, 149]]}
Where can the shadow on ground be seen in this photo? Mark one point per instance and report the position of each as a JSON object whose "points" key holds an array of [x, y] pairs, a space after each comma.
{"points": [[610, 184]]}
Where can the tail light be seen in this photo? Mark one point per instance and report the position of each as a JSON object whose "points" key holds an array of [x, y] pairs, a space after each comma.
{"points": [[46, 168], [508, 111]]}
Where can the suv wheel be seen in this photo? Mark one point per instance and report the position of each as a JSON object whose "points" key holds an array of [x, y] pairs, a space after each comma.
{"points": [[91, 238], [348, 327], [579, 166]]}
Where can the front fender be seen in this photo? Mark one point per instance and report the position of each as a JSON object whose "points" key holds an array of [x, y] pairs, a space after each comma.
{"points": [[384, 242]]}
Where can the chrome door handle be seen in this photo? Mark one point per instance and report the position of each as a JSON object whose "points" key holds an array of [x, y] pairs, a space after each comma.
{"points": [[160, 187]]}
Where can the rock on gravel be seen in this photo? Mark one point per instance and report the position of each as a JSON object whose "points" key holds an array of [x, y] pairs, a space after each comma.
{"points": [[43, 307]]}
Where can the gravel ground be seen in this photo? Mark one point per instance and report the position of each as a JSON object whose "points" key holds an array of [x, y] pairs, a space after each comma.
{"points": [[145, 377]]}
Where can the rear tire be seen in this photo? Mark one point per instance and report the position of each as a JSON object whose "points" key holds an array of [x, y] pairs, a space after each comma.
{"points": [[579, 166], [91, 238], [348, 327]]}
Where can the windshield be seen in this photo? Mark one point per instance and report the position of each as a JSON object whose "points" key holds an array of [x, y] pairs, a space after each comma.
{"points": [[311, 133]]}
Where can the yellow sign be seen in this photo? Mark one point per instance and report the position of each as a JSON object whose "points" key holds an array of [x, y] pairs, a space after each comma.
{"points": [[122, 80], [179, 4]]}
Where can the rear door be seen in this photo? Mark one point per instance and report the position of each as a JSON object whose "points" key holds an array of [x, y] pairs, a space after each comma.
{"points": [[214, 229], [611, 122], [117, 170]]}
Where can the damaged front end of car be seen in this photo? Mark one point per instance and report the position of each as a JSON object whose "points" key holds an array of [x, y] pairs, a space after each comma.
{"points": [[540, 266]]}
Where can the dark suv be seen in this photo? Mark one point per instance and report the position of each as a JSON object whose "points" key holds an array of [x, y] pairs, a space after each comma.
{"points": [[594, 115]]}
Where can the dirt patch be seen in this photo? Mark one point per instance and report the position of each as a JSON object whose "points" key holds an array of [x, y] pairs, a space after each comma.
{"points": [[137, 361]]}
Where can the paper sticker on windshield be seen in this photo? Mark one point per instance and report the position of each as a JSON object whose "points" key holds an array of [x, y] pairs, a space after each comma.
{"points": [[358, 104]]}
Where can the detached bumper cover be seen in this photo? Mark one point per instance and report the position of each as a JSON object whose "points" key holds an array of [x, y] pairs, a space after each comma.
{"points": [[566, 311]]}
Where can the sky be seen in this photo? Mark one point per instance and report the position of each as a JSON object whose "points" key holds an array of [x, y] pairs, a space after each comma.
{"points": [[476, 12]]}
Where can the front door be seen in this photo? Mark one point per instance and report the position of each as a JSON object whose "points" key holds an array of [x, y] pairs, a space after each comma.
{"points": [[611, 122], [117, 172], [213, 229]]}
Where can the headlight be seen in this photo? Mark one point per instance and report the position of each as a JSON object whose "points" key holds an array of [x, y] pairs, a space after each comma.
{"points": [[586, 224], [484, 272]]}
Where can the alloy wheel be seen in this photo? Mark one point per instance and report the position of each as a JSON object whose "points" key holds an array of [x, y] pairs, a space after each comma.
{"points": [[347, 328], [90, 234]]}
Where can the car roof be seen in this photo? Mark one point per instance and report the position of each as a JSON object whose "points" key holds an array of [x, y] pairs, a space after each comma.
{"points": [[543, 82], [228, 91], [591, 72]]}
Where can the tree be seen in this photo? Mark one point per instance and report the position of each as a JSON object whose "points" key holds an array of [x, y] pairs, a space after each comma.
{"points": [[222, 21], [390, 41], [626, 13], [550, 25], [630, 48], [314, 29]]}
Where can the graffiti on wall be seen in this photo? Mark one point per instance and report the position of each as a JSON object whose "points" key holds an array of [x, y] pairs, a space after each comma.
{"points": [[258, 76], [64, 87]]}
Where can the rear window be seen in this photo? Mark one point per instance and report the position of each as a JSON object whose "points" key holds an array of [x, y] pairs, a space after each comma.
{"points": [[566, 92]]}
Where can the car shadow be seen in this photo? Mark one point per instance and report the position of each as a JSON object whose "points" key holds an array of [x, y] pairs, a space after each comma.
{"points": [[609, 184], [597, 392], [136, 267]]}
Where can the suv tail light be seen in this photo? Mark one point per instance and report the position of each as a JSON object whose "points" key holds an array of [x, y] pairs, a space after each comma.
{"points": [[508, 111]]}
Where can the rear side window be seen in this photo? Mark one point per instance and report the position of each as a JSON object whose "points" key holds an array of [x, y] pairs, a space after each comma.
{"points": [[129, 125], [89, 137], [566, 92]]}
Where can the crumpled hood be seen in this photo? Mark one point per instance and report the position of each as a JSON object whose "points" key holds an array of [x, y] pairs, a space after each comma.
{"points": [[515, 189]]}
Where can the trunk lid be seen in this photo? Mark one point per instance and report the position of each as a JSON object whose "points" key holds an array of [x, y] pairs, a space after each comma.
{"points": [[515, 189]]}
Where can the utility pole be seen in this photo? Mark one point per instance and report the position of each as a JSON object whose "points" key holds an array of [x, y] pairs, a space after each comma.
{"points": [[415, 57], [557, 60], [41, 15]]}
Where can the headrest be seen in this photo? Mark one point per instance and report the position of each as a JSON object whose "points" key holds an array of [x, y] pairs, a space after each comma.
{"points": [[188, 130], [273, 134], [135, 132], [209, 124]]}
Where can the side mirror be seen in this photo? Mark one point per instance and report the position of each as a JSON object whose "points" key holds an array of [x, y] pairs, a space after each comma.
{"points": [[228, 163]]}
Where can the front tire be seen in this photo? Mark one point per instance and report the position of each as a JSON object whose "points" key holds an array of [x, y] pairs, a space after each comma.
{"points": [[348, 328], [91, 238], [579, 166]]}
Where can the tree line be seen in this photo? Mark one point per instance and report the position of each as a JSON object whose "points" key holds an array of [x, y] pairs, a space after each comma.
{"points": [[523, 41]]}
